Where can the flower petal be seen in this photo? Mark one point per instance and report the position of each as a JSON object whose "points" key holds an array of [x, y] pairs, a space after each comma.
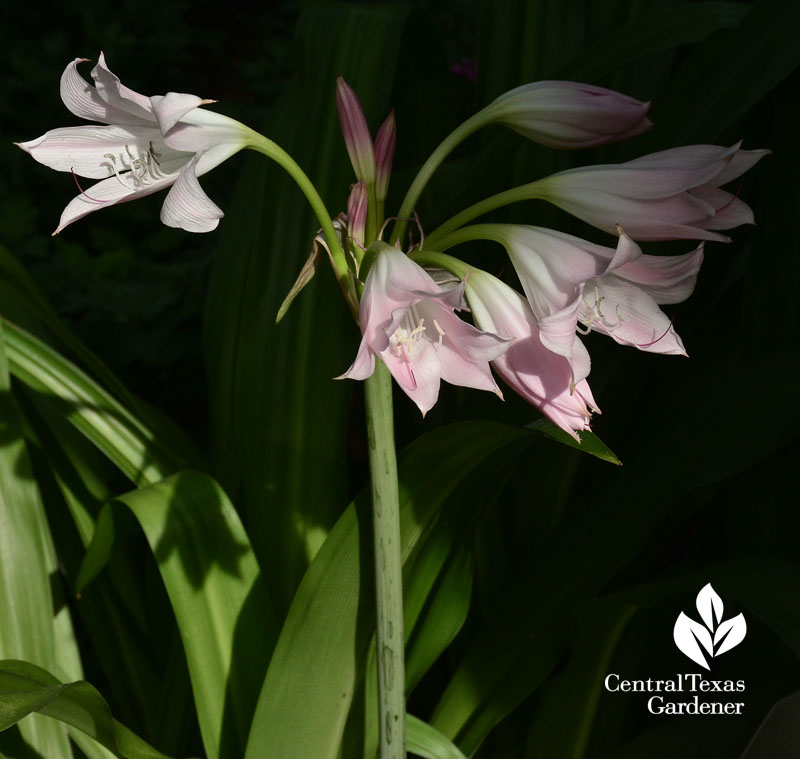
{"points": [[117, 95], [187, 206], [729, 211], [740, 162], [109, 192], [85, 149], [667, 279], [363, 366], [85, 102], [630, 316], [540, 376], [169, 109], [200, 130]]}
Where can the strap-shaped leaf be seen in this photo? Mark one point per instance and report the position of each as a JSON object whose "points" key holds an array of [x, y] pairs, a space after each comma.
{"points": [[26, 688], [121, 436], [26, 561], [427, 742], [513, 654], [315, 669], [222, 609]]}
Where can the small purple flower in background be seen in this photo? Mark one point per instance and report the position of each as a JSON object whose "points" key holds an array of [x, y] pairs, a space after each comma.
{"points": [[466, 68], [144, 145], [408, 321]]}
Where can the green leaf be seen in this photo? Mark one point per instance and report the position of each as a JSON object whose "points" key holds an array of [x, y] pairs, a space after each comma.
{"points": [[222, 609], [320, 654], [38, 309], [662, 29], [120, 435], [567, 705], [761, 51], [589, 443], [26, 688], [605, 529], [26, 561], [779, 733], [428, 742], [443, 617]]}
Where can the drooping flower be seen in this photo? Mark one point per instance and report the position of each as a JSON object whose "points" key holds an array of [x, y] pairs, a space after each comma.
{"points": [[674, 194], [572, 284], [569, 114], [541, 377], [408, 321], [145, 144]]}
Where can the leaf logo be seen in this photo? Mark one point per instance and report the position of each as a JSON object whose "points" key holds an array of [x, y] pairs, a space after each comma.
{"points": [[714, 637]]}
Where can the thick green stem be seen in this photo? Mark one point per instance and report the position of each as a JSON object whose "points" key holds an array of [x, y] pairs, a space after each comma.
{"points": [[338, 259], [514, 195], [388, 562]]}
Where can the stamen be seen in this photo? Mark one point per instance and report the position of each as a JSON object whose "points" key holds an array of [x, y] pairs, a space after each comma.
{"points": [[155, 156], [74, 176], [647, 345], [441, 332], [111, 157]]}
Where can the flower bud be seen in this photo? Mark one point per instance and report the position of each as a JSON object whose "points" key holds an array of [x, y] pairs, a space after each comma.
{"points": [[357, 211], [356, 132], [569, 114], [384, 155]]}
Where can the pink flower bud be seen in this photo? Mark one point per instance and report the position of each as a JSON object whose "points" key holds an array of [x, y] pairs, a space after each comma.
{"points": [[570, 114], [384, 155], [357, 211], [356, 133]]}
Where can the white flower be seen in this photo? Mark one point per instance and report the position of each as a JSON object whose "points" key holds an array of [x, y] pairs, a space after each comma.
{"points": [[144, 145]]}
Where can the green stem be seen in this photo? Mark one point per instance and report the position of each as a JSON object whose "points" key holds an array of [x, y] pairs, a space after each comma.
{"points": [[388, 562], [458, 135], [466, 234], [528, 191], [338, 259]]}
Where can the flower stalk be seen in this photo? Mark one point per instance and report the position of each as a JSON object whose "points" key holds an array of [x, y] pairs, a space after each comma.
{"points": [[388, 562], [274, 151]]}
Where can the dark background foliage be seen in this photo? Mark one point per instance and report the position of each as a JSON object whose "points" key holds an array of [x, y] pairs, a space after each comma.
{"points": [[707, 491]]}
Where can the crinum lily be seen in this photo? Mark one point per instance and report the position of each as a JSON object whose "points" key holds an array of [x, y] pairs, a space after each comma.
{"points": [[145, 144], [408, 321]]}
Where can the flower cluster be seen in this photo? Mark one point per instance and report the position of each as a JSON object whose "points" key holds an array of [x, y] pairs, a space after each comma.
{"points": [[407, 319], [571, 286]]}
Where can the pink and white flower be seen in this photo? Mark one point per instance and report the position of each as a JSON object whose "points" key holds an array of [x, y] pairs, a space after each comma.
{"points": [[569, 114], [541, 377], [408, 321], [145, 144], [572, 284], [674, 194]]}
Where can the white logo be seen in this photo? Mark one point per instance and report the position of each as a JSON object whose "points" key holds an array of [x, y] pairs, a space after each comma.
{"points": [[715, 636]]}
